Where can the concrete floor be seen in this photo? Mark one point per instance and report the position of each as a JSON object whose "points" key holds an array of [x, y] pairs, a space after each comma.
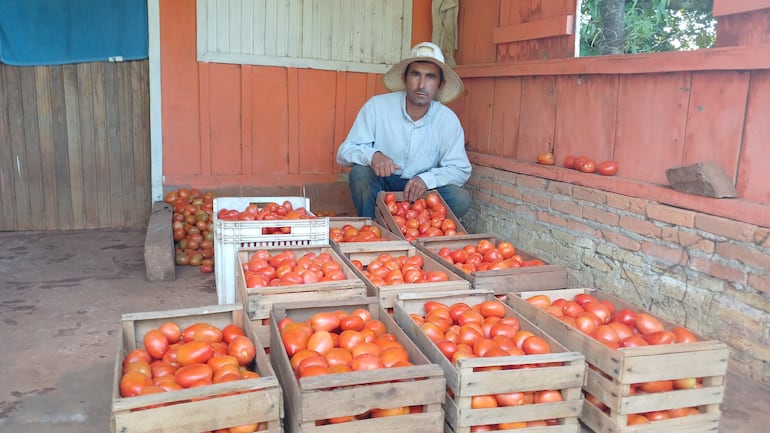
{"points": [[62, 297]]}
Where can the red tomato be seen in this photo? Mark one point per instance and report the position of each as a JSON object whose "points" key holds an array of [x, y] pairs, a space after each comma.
{"points": [[390, 197], [683, 335], [155, 343], [569, 162], [366, 361], [230, 331], [660, 337], [510, 399], [647, 323], [189, 374], [242, 348], [136, 355], [172, 332], [492, 309], [194, 352], [588, 166], [432, 200], [535, 345], [133, 382], [625, 316], [203, 332], [607, 168], [325, 321], [548, 396]]}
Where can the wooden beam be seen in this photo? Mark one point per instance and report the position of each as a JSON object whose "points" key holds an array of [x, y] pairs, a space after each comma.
{"points": [[731, 7], [710, 59], [547, 28]]}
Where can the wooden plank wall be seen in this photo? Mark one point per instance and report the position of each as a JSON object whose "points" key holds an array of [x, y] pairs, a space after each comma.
{"points": [[648, 112], [74, 146]]}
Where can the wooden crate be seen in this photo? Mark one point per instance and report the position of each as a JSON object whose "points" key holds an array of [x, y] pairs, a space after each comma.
{"points": [[311, 399], [385, 218], [464, 382], [500, 281], [387, 294], [612, 372], [259, 300], [390, 239], [196, 409]]}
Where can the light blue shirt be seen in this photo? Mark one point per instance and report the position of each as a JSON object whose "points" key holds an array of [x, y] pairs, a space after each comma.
{"points": [[432, 147]]}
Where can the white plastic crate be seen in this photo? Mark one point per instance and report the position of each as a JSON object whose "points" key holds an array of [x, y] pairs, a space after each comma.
{"points": [[231, 236]]}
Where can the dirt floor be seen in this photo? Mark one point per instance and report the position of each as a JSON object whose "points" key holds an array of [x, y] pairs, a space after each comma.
{"points": [[62, 297]]}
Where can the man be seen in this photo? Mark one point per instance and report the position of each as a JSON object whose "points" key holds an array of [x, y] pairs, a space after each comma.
{"points": [[408, 140]]}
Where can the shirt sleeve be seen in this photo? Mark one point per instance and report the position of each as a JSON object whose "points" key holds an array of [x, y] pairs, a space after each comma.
{"points": [[358, 147], [453, 168]]}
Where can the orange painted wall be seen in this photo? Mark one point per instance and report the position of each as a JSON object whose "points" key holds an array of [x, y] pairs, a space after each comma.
{"points": [[227, 126]]}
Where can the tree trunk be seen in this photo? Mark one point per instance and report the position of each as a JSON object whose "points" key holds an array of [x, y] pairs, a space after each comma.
{"points": [[613, 34]]}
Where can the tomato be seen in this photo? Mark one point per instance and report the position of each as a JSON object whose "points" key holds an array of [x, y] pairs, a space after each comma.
{"points": [[203, 332], [230, 331], [578, 162], [588, 166], [136, 355], [535, 345], [660, 337], [539, 301], [194, 352], [133, 382], [243, 349], [657, 386], [687, 383], [483, 401], [366, 361], [506, 249], [393, 355], [510, 399], [647, 323], [548, 396], [683, 335], [324, 321], [572, 309], [636, 419], [607, 168], [155, 343], [569, 162], [601, 310], [584, 298], [190, 374], [606, 333], [218, 362], [433, 200], [245, 428], [625, 316], [635, 340], [390, 197], [492, 309], [546, 158]]}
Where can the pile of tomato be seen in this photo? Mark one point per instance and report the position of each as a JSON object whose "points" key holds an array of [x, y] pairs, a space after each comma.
{"points": [[486, 256], [264, 269], [193, 227], [338, 342], [463, 331], [587, 165], [270, 211], [349, 233], [422, 218], [614, 328], [174, 358], [387, 270]]}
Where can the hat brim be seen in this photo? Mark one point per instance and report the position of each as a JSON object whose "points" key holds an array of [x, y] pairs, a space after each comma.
{"points": [[452, 88]]}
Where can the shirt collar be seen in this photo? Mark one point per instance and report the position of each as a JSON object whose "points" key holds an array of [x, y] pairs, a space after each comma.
{"points": [[424, 118]]}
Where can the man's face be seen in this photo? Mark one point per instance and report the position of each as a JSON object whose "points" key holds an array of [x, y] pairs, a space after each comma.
{"points": [[423, 81]]}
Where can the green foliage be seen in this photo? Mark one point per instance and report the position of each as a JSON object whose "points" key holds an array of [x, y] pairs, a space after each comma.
{"points": [[650, 26]]}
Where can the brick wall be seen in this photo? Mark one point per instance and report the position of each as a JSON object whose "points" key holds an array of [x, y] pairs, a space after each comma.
{"points": [[708, 273]]}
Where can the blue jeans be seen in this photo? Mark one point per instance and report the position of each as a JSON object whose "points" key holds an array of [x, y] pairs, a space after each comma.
{"points": [[364, 186]]}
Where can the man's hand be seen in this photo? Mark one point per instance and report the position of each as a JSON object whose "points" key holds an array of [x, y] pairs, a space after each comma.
{"points": [[414, 189], [382, 165]]}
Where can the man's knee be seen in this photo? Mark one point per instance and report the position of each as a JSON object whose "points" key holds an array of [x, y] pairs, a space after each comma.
{"points": [[458, 199]]}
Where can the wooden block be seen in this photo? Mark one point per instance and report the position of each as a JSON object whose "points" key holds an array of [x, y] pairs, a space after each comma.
{"points": [[159, 261], [704, 178]]}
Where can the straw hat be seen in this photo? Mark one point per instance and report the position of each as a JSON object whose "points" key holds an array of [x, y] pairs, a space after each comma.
{"points": [[426, 52]]}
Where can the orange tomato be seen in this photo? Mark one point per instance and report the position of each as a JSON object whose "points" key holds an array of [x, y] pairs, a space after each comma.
{"points": [[535, 345], [492, 309], [484, 401], [541, 302], [243, 349], [172, 332]]}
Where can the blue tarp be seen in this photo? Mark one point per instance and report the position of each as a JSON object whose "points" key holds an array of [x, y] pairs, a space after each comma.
{"points": [[55, 32]]}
